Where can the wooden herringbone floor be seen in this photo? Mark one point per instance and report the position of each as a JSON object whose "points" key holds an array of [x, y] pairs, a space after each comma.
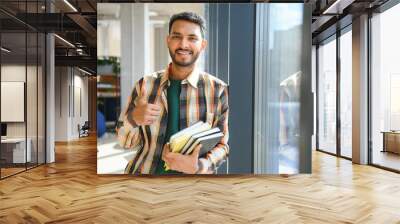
{"points": [[69, 191]]}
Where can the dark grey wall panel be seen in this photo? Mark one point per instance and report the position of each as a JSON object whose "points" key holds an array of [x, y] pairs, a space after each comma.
{"points": [[241, 76], [306, 97], [230, 57]]}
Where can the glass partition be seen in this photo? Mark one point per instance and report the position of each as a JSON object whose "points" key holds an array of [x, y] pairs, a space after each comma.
{"points": [[13, 94], [22, 89]]}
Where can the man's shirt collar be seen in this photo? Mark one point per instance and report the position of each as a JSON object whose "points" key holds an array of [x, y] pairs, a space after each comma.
{"points": [[192, 78]]}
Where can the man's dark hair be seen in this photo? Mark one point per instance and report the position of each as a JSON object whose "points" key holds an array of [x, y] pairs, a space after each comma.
{"points": [[190, 17]]}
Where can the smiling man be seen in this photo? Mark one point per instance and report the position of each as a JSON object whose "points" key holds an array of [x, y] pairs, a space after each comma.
{"points": [[167, 101]]}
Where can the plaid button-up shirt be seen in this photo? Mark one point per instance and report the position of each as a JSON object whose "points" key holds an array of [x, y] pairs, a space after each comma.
{"points": [[203, 97]]}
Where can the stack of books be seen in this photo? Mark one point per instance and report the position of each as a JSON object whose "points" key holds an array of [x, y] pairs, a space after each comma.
{"points": [[186, 140]]}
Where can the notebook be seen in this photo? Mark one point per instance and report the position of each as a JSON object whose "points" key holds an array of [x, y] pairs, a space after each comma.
{"points": [[178, 140], [208, 142], [186, 140], [196, 136]]}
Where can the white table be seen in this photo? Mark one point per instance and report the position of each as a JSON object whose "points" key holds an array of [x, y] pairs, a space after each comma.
{"points": [[112, 159], [18, 150]]}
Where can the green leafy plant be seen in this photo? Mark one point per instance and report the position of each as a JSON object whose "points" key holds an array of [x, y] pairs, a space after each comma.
{"points": [[114, 61]]}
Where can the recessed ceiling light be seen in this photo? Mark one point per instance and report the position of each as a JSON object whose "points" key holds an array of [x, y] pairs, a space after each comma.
{"points": [[337, 7], [64, 40], [5, 50], [86, 72], [70, 5]]}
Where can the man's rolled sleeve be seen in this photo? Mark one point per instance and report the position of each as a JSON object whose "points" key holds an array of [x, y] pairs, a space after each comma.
{"points": [[218, 155], [128, 132]]}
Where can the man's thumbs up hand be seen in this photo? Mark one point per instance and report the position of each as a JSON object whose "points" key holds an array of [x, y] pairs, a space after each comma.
{"points": [[145, 113]]}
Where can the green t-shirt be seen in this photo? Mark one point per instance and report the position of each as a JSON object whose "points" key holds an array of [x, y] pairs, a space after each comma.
{"points": [[173, 93]]}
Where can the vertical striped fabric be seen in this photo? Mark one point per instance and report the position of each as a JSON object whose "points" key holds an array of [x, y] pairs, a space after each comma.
{"points": [[203, 97]]}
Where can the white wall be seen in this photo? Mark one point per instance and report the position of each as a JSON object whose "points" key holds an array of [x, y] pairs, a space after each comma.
{"points": [[70, 83], [80, 94], [33, 126], [61, 104], [13, 73]]}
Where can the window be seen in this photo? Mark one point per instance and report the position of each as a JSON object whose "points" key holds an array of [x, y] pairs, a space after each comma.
{"points": [[279, 83], [385, 88], [327, 96], [346, 93]]}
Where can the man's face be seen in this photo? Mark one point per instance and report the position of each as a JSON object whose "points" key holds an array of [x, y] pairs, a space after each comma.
{"points": [[185, 43]]}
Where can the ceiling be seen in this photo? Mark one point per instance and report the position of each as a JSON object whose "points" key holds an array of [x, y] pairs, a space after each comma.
{"points": [[332, 15], [74, 21], [112, 10]]}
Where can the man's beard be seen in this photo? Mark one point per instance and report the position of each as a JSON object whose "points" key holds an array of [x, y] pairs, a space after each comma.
{"points": [[183, 64]]}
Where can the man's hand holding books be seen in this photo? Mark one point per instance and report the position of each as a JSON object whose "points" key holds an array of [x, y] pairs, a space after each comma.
{"points": [[186, 146], [183, 163]]}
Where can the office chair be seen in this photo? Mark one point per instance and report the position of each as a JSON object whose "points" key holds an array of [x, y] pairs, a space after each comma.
{"points": [[84, 130]]}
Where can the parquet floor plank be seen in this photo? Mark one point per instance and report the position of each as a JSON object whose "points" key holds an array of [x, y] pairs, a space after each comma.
{"points": [[70, 191]]}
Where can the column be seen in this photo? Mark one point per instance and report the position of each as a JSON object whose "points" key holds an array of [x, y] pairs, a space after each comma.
{"points": [[50, 99], [360, 90], [134, 46]]}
